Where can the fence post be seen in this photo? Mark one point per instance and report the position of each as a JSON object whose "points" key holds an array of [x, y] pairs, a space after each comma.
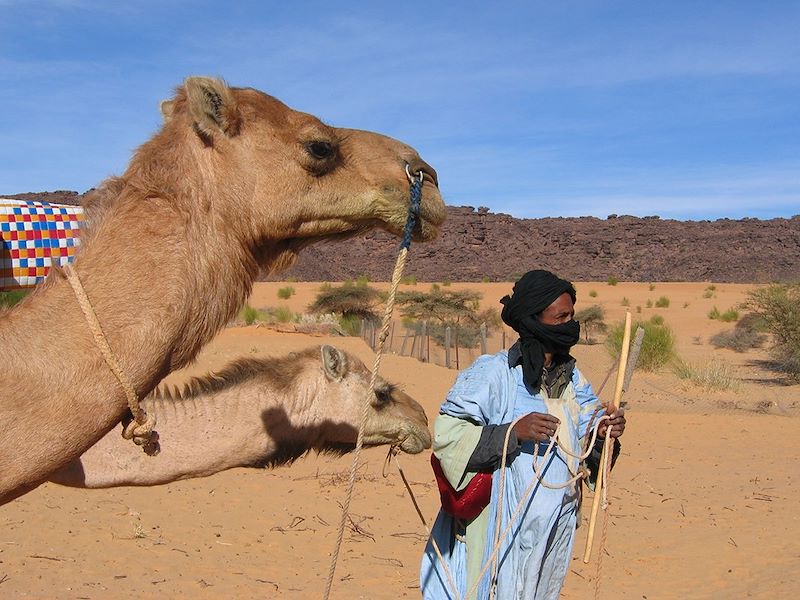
{"points": [[423, 335], [364, 330], [403, 345], [391, 335], [447, 346], [483, 338], [455, 345], [413, 344]]}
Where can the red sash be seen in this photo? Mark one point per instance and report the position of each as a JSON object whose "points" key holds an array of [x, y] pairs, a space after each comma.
{"points": [[467, 503]]}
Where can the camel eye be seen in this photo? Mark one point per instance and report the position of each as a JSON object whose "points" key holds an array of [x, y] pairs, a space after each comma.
{"points": [[383, 394], [320, 150]]}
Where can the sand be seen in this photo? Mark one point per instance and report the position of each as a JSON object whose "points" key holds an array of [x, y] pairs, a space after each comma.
{"points": [[702, 499]]}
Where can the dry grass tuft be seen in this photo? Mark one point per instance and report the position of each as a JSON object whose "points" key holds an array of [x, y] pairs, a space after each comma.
{"points": [[713, 375]]}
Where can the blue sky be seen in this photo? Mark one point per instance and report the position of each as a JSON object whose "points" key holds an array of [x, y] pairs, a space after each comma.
{"points": [[687, 110]]}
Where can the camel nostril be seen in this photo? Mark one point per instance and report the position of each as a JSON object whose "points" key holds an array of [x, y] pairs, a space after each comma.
{"points": [[416, 165]]}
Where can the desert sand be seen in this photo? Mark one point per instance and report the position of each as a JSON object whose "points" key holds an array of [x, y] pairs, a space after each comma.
{"points": [[702, 498]]}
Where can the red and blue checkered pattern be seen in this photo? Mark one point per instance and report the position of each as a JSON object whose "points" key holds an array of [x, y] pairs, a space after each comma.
{"points": [[35, 236]]}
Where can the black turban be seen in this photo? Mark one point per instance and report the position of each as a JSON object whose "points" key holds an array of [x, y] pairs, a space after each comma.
{"points": [[534, 292]]}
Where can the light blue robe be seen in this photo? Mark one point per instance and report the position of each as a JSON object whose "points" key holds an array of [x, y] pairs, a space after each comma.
{"points": [[535, 555]]}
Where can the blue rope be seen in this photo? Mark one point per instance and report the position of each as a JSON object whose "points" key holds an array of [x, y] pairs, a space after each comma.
{"points": [[413, 210]]}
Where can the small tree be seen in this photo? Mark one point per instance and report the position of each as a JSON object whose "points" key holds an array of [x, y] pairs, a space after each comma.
{"points": [[350, 301], [591, 320], [779, 307], [458, 309]]}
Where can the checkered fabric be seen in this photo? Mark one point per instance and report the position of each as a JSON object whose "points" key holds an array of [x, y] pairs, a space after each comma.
{"points": [[34, 236]]}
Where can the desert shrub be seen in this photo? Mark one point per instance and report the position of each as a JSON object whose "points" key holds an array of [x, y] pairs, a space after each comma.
{"points": [[12, 298], [709, 291], [625, 302], [348, 299], [713, 375], [658, 345], [738, 339], [638, 309], [612, 280], [362, 280], [591, 320], [662, 302], [250, 315], [728, 316], [657, 320], [648, 304], [285, 293], [281, 314], [485, 279], [685, 305], [350, 324], [779, 307], [409, 280], [651, 287], [592, 294], [753, 322], [446, 283]]}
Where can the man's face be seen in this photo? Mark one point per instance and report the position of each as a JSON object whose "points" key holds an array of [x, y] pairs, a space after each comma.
{"points": [[559, 312]]}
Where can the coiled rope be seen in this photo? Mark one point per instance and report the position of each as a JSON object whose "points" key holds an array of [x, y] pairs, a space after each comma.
{"points": [[411, 221]]}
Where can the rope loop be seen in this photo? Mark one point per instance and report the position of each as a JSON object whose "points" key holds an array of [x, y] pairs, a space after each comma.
{"points": [[140, 427]]}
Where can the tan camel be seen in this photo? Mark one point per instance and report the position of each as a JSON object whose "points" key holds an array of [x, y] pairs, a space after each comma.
{"points": [[256, 413], [234, 181]]}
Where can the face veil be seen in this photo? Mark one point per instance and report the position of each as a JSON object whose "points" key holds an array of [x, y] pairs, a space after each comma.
{"points": [[533, 293]]}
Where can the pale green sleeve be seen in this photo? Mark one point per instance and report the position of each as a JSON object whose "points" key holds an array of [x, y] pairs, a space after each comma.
{"points": [[454, 441]]}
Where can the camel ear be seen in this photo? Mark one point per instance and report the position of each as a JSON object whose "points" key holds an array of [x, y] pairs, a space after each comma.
{"points": [[334, 361], [212, 106]]}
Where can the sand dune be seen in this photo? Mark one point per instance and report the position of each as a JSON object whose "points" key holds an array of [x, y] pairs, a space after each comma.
{"points": [[702, 500]]}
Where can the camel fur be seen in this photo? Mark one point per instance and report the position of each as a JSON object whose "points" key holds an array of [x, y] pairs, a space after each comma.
{"points": [[256, 413], [234, 181]]}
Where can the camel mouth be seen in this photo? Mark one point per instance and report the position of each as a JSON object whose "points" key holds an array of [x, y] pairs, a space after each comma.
{"points": [[416, 442], [432, 213]]}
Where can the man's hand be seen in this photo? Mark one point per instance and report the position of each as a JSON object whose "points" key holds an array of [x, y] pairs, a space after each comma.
{"points": [[536, 427], [616, 423]]}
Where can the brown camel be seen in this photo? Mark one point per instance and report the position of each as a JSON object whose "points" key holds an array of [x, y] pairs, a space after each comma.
{"points": [[256, 413], [234, 181]]}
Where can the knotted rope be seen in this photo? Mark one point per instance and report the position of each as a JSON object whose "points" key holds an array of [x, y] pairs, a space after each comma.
{"points": [[411, 221], [140, 427]]}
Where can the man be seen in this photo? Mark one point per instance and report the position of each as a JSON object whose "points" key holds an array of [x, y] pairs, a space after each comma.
{"points": [[536, 386]]}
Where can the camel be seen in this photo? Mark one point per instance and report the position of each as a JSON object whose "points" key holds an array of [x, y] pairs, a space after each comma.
{"points": [[256, 413], [233, 182]]}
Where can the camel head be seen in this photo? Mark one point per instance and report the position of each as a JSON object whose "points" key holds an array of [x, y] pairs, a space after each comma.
{"points": [[394, 417], [284, 177]]}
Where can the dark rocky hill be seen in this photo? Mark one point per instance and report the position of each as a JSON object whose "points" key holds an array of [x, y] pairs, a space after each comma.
{"points": [[478, 244]]}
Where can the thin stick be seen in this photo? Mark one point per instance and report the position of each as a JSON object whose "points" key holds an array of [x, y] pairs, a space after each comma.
{"points": [[598, 488]]}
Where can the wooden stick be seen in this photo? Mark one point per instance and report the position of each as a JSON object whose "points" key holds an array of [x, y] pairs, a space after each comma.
{"points": [[598, 488]]}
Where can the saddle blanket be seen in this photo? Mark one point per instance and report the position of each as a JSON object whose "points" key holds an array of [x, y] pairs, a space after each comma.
{"points": [[35, 236]]}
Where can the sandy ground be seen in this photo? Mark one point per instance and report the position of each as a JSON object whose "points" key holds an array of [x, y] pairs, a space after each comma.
{"points": [[701, 499]]}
